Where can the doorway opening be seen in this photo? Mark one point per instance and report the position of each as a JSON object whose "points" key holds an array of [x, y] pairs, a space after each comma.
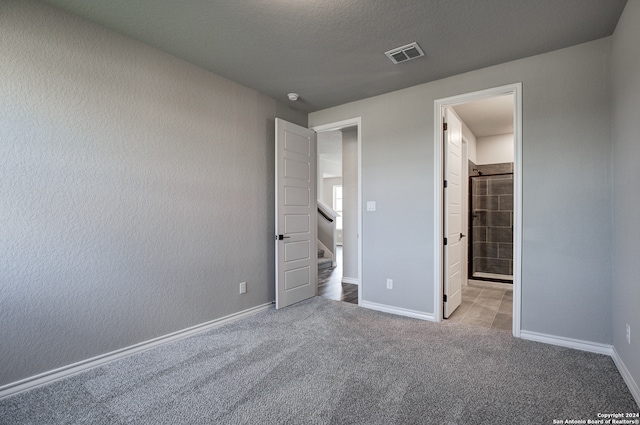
{"points": [[478, 253], [339, 206]]}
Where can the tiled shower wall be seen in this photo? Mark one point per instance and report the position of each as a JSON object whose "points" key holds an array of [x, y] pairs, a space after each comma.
{"points": [[491, 209]]}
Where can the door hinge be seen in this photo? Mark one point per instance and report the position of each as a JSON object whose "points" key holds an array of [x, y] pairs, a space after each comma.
{"points": [[444, 126], [446, 184], [444, 298], [445, 241]]}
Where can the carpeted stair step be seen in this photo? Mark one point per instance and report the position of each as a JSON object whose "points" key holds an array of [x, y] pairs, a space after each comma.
{"points": [[324, 263]]}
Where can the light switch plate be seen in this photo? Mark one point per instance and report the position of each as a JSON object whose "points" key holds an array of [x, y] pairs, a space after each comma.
{"points": [[371, 205]]}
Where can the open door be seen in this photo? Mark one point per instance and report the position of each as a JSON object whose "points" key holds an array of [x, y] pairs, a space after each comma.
{"points": [[452, 213], [296, 252]]}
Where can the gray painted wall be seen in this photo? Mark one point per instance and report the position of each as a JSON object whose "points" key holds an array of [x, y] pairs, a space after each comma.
{"points": [[350, 203], [566, 282], [626, 196], [136, 192]]}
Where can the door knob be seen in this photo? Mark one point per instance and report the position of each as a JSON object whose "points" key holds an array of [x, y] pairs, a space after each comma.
{"points": [[462, 236], [281, 237]]}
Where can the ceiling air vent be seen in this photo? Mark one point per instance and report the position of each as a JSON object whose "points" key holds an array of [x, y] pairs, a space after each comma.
{"points": [[405, 53]]}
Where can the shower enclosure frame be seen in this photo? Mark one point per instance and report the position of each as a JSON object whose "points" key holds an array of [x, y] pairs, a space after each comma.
{"points": [[470, 232]]}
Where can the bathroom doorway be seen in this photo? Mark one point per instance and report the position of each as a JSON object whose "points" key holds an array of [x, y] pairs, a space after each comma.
{"points": [[491, 208]]}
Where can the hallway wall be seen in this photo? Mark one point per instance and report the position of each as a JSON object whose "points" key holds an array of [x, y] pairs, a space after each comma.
{"points": [[494, 149], [566, 136]]}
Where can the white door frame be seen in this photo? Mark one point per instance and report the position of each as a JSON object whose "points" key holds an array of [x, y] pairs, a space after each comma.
{"points": [[357, 122], [439, 105], [465, 208]]}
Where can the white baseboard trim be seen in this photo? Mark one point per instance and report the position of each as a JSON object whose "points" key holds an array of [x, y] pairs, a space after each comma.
{"points": [[626, 375], [351, 280], [75, 368], [397, 310], [592, 347]]}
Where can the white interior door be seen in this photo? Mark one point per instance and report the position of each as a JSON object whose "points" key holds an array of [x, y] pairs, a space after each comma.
{"points": [[452, 213], [296, 251]]}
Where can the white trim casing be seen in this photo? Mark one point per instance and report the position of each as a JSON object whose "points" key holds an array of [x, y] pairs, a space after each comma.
{"points": [[397, 310], [592, 347], [81, 366], [439, 105], [626, 375], [351, 280], [576, 344]]}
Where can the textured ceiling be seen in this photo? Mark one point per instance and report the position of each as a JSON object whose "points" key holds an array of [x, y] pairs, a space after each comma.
{"points": [[332, 51]]}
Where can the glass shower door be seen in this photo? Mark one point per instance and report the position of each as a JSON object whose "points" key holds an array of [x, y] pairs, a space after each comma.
{"points": [[491, 222]]}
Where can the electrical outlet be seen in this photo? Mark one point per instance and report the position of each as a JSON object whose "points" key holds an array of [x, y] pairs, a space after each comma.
{"points": [[243, 287], [628, 334], [389, 283]]}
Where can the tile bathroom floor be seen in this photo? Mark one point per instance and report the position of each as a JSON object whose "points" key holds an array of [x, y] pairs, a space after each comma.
{"points": [[486, 307]]}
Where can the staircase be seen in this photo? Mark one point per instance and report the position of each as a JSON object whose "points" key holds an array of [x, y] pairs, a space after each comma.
{"points": [[326, 243], [324, 263]]}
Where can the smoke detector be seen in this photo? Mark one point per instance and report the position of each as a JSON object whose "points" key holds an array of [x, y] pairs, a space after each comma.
{"points": [[405, 53]]}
